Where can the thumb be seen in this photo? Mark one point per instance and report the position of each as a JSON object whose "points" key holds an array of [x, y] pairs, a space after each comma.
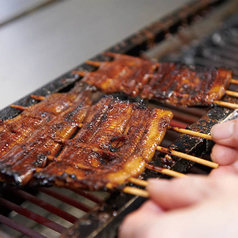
{"points": [[178, 192], [226, 133]]}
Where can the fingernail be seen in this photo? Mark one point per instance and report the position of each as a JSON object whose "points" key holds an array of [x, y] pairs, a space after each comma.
{"points": [[223, 130]]}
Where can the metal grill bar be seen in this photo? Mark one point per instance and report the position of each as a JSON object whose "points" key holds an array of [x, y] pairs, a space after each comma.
{"points": [[88, 196], [66, 199], [33, 216], [178, 124], [189, 119], [19, 227], [45, 205]]}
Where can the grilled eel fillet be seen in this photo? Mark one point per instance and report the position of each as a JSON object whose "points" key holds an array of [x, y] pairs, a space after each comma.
{"points": [[177, 84], [115, 141], [37, 132], [15, 131], [125, 73], [170, 83]]}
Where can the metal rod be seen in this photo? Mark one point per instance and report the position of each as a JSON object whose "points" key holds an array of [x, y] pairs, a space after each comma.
{"points": [[45, 205], [88, 195], [33, 216], [19, 227], [66, 199]]}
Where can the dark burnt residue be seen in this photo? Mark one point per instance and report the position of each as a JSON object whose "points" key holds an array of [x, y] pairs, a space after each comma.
{"points": [[41, 161], [166, 150], [117, 142], [73, 113], [154, 167], [167, 161]]}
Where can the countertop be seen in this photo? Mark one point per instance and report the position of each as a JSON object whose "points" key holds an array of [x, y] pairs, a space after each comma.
{"points": [[38, 44]]}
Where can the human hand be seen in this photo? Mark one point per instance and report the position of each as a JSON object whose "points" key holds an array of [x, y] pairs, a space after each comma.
{"points": [[225, 151], [194, 206]]}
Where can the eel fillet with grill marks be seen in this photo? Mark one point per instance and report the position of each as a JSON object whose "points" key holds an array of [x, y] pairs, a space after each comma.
{"points": [[124, 74], [15, 131], [177, 84], [170, 83], [116, 140], [39, 133]]}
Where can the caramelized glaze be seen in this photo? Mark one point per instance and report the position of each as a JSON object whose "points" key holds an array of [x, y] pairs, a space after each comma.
{"points": [[169, 83], [124, 74], [21, 160], [184, 86], [115, 141]]}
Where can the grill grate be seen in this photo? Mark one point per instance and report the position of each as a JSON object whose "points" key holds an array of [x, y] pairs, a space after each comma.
{"points": [[58, 210]]}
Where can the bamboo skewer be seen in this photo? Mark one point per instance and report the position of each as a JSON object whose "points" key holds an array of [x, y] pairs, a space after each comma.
{"points": [[165, 171], [232, 93], [136, 191], [226, 104], [18, 107], [94, 63], [139, 182], [36, 97], [188, 157], [144, 193], [110, 54], [234, 81], [80, 73], [189, 132]]}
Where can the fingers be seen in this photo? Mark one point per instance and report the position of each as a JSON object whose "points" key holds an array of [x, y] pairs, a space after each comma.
{"points": [[176, 223], [225, 151], [225, 170], [226, 133], [217, 203], [151, 207], [180, 192], [224, 155], [137, 223]]}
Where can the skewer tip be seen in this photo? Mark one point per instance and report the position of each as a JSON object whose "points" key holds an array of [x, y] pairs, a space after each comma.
{"points": [[136, 191], [18, 107], [80, 73], [94, 63], [226, 104]]}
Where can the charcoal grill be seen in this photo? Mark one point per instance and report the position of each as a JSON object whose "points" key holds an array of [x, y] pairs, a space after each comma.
{"points": [[172, 38]]}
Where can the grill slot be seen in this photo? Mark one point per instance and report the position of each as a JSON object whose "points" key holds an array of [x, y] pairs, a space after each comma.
{"points": [[99, 214], [45, 205], [58, 210]]}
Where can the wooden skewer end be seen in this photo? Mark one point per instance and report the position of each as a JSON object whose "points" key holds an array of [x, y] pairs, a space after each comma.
{"points": [[234, 81], [18, 107], [135, 191], [36, 97], [80, 73], [226, 104], [94, 63], [188, 157]]}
